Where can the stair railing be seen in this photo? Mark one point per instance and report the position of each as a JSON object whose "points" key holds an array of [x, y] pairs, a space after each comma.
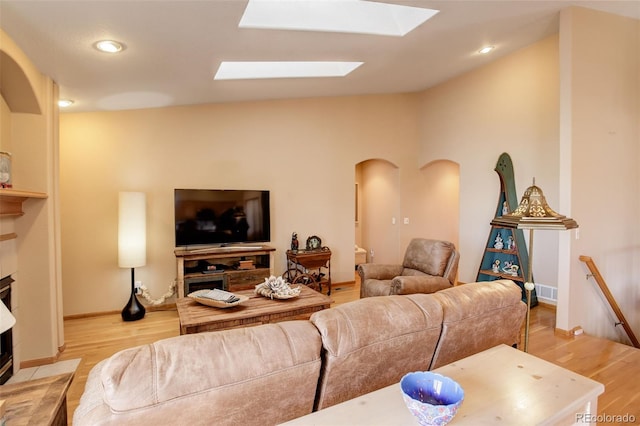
{"points": [[595, 273]]}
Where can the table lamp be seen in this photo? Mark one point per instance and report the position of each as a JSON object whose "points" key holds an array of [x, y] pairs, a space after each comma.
{"points": [[7, 320], [132, 245], [533, 213]]}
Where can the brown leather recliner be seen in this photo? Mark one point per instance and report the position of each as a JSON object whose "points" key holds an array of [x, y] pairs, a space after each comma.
{"points": [[428, 266]]}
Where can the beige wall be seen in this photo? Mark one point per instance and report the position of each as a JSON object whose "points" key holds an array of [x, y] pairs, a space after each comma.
{"points": [[601, 106], [510, 105], [5, 126], [304, 151], [29, 129]]}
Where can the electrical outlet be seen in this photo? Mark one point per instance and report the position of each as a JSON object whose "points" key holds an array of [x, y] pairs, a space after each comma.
{"points": [[406, 220], [137, 286]]}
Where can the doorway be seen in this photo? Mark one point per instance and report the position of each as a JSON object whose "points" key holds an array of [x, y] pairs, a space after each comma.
{"points": [[394, 207]]}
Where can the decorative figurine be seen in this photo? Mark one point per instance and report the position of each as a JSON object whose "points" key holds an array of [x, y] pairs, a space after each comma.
{"points": [[294, 241], [505, 208], [498, 244], [514, 270], [510, 245], [496, 266], [510, 268]]}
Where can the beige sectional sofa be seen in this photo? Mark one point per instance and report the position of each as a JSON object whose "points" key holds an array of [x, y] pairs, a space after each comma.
{"points": [[272, 373]]}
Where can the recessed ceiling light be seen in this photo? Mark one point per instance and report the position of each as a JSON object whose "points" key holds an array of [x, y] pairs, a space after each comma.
{"points": [[109, 46], [486, 49], [346, 16], [283, 69], [64, 103]]}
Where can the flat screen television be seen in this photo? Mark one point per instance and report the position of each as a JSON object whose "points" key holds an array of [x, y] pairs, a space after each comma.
{"points": [[219, 217]]}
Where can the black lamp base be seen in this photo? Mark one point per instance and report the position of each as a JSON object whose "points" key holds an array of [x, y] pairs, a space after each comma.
{"points": [[134, 310]]}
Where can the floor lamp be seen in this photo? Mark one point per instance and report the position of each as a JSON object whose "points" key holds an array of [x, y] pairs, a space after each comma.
{"points": [[132, 245], [533, 213]]}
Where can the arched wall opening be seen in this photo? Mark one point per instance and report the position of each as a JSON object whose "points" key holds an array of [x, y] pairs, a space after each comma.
{"points": [[438, 200], [378, 202], [393, 206]]}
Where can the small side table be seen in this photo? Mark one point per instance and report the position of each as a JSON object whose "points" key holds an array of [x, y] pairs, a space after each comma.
{"points": [[37, 402], [307, 266]]}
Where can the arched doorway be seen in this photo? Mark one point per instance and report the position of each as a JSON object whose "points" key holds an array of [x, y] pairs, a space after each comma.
{"points": [[378, 199], [394, 207]]}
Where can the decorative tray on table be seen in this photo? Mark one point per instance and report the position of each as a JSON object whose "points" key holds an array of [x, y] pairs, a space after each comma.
{"points": [[217, 298]]}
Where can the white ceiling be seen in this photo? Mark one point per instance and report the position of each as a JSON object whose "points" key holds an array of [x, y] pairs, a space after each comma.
{"points": [[175, 47]]}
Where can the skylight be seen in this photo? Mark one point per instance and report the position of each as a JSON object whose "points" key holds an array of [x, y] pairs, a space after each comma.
{"points": [[283, 69], [346, 16]]}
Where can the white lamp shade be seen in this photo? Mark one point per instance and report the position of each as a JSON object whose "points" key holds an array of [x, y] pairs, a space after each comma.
{"points": [[132, 230], [7, 320]]}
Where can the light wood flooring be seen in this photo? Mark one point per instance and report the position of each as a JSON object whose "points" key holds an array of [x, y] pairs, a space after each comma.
{"points": [[615, 365]]}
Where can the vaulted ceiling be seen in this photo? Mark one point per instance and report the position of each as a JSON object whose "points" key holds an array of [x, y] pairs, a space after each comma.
{"points": [[173, 48]]}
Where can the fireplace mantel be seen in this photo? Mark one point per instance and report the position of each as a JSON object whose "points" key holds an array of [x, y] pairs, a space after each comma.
{"points": [[11, 201]]}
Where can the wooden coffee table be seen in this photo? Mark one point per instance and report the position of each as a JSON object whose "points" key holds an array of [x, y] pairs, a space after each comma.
{"points": [[196, 318]]}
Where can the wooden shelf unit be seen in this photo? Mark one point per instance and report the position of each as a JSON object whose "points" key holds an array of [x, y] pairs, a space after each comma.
{"points": [[189, 267], [517, 255]]}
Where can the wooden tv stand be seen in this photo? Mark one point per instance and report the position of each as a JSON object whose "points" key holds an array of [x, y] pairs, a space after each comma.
{"points": [[190, 265]]}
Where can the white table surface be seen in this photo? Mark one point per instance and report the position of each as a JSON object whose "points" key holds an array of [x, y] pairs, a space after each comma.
{"points": [[502, 386]]}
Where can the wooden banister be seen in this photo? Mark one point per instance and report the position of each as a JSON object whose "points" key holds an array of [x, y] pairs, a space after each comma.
{"points": [[595, 273]]}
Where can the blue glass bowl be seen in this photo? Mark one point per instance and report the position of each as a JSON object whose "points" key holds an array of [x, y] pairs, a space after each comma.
{"points": [[431, 397]]}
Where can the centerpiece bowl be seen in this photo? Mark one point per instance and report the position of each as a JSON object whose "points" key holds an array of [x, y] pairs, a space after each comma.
{"points": [[277, 288], [432, 398]]}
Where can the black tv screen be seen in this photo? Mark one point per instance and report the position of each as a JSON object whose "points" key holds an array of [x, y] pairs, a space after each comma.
{"points": [[221, 216]]}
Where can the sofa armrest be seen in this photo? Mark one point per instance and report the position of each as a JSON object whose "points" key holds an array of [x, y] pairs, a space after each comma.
{"points": [[418, 284], [451, 271], [378, 271]]}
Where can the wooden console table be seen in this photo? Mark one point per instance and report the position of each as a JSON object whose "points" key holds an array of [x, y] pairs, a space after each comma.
{"points": [[306, 267], [37, 402], [190, 278]]}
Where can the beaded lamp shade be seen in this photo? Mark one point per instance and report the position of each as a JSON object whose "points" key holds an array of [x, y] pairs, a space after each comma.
{"points": [[533, 212]]}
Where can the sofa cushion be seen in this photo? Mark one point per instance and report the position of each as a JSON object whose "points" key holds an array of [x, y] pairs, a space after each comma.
{"points": [[371, 343], [427, 256], [225, 377], [478, 316]]}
